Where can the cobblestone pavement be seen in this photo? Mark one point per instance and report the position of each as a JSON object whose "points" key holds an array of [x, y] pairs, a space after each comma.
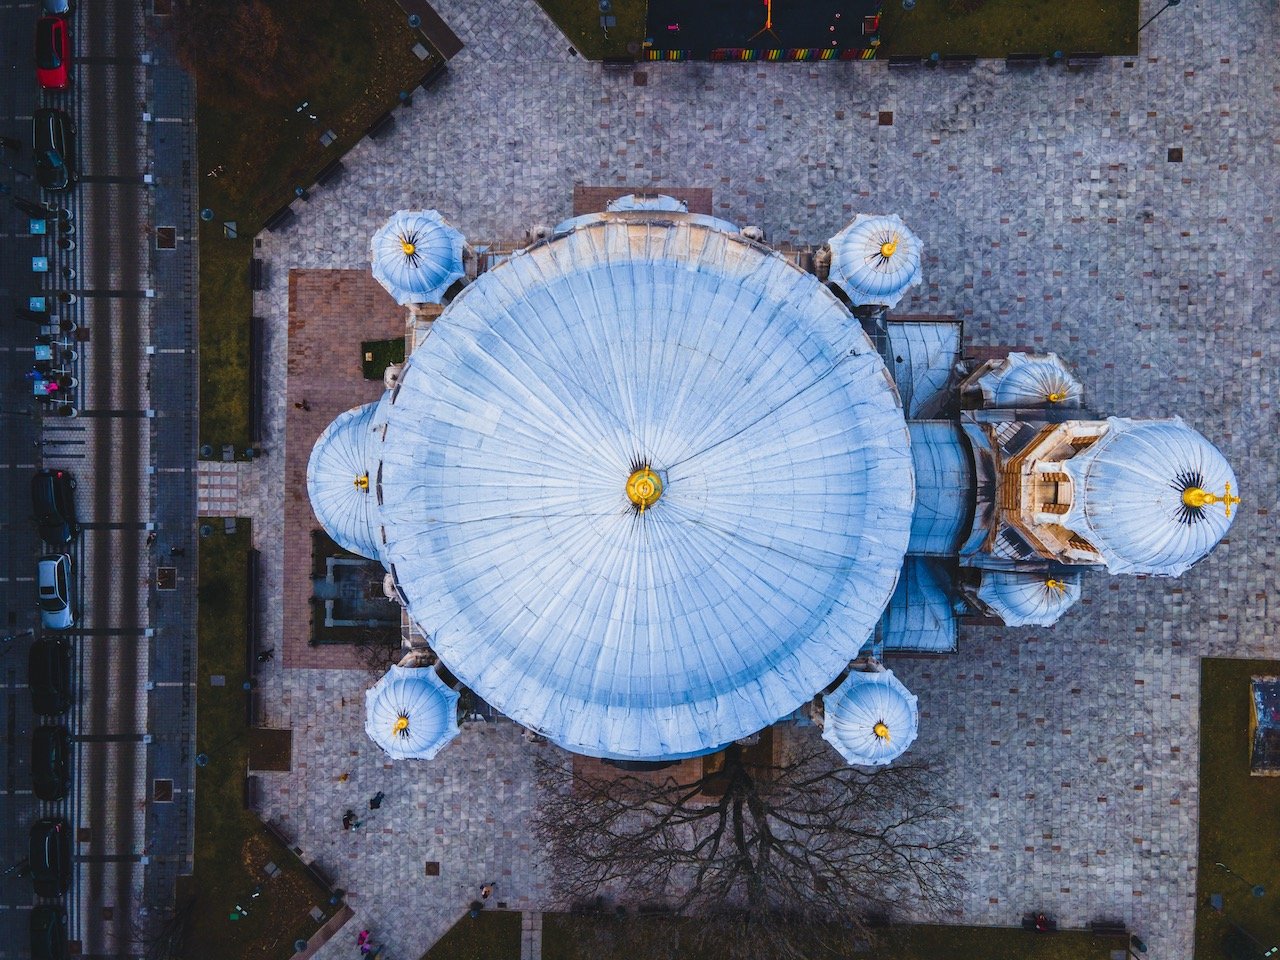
{"points": [[1052, 218]]}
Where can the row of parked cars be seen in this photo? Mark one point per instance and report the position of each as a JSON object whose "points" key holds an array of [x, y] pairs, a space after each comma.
{"points": [[49, 857], [54, 507], [53, 134]]}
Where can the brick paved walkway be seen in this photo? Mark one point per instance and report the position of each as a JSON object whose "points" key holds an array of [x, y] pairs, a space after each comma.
{"points": [[1052, 218]]}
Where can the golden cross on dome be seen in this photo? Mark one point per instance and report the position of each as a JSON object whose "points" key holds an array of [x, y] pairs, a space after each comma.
{"points": [[1197, 498], [881, 730], [362, 482]]}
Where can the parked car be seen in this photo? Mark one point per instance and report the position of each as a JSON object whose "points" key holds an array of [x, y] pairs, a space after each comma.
{"points": [[53, 145], [56, 7], [49, 676], [49, 932], [54, 581], [53, 503], [51, 762], [50, 856], [53, 51]]}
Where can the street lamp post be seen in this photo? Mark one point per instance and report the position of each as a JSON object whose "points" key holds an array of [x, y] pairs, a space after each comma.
{"points": [[1168, 4], [1256, 889]]}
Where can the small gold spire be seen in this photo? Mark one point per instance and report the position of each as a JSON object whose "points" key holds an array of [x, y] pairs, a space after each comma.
{"points": [[1196, 497], [644, 487], [362, 482], [408, 248], [401, 726], [889, 248], [1056, 397], [1059, 585], [881, 730]]}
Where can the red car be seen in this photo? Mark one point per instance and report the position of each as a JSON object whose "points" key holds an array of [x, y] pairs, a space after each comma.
{"points": [[53, 50]]}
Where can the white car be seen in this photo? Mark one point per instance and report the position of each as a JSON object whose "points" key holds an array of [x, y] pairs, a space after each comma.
{"points": [[54, 581]]}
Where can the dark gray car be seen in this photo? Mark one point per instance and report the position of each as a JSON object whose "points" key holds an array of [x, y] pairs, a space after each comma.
{"points": [[53, 146]]}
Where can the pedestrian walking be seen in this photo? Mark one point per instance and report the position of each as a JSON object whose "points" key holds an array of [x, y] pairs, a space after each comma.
{"points": [[268, 654], [486, 891], [344, 777], [375, 802], [151, 539], [362, 938], [348, 819]]}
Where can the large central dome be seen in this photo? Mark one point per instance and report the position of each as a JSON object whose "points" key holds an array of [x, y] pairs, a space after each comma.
{"points": [[646, 486]]}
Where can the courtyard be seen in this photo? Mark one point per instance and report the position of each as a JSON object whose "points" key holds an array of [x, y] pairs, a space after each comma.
{"points": [[1121, 216]]}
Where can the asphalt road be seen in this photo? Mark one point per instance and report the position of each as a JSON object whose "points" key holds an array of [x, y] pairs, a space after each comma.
{"points": [[131, 449]]}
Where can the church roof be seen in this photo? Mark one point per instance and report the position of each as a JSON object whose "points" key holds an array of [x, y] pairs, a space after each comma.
{"points": [[647, 486], [1030, 380], [1027, 599]]}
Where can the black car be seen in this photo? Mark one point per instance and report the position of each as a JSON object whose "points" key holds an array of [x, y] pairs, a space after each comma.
{"points": [[53, 144], [51, 762], [53, 503], [49, 676], [51, 856], [49, 933]]}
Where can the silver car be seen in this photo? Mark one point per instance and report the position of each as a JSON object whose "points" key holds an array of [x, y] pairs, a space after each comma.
{"points": [[54, 581]]}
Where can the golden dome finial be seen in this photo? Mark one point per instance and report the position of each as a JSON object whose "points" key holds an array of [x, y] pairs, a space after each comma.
{"points": [[408, 248], [1196, 497], [644, 488], [881, 730], [889, 248], [1059, 585], [401, 727], [362, 483], [1056, 397]]}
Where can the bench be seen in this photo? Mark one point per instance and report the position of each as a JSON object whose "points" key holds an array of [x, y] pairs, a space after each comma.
{"points": [[257, 274], [381, 127], [1108, 928], [1020, 60], [279, 219], [958, 61], [1078, 61], [331, 172], [898, 63]]}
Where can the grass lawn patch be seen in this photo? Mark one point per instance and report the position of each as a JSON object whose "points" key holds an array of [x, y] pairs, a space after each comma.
{"points": [[564, 938], [265, 146], [579, 21], [226, 304], [997, 28], [377, 355], [491, 936], [232, 848], [1237, 817]]}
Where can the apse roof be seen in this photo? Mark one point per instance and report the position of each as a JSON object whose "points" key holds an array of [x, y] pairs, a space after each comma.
{"points": [[410, 713], [871, 718], [1153, 496], [338, 481], [875, 259]]}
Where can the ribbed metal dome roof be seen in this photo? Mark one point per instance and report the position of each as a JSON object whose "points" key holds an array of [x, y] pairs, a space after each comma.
{"points": [[417, 256], [772, 530], [876, 259], [871, 718], [339, 484], [1135, 496], [410, 713], [1026, 599], [1030, 380]]}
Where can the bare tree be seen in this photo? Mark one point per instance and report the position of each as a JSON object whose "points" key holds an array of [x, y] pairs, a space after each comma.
{"points": [[774, 858], [242, 45], [162, 933]]}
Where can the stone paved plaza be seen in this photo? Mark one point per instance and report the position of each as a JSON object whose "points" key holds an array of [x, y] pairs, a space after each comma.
{"points": [[1053, 219]]}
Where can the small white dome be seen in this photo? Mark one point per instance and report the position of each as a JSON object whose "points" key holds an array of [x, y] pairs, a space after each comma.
{"points": [[417, 256], [1030, 380], [871, 718], [1029, 599], [410, 713], [875, 260], [1153, 496]]}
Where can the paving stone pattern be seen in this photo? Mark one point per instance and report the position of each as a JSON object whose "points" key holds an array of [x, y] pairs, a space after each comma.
{"points": [[1052, 218]]}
